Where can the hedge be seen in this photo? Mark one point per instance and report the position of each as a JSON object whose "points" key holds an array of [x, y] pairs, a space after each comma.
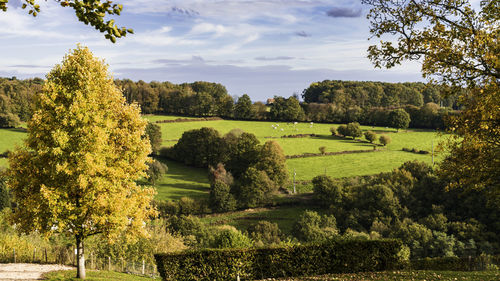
{"points": [[455, 263], [302, 260]]}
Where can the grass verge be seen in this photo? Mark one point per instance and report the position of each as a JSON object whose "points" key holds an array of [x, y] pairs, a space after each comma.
{"points": [[94, 276]]}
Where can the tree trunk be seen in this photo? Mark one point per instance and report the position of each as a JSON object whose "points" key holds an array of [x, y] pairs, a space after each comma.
{"points": [[80, 269]]}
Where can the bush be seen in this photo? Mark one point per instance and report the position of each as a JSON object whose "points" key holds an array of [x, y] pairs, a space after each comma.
{"points": [[9, 120], [254, 189], [342, 130], [399, 119], [155, 171], [221, 199], [333, 130], [370, 136], [322, 149], [266, 233], [385, 140], [353, 130], [277, 262], [312, 227], [231, 238], [153, 132]]}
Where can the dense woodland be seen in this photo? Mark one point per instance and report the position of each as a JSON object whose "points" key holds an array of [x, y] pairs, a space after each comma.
{"points": [[369, 103]]}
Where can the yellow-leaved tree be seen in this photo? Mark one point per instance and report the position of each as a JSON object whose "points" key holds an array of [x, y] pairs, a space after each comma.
{"points": [[85, 149]]}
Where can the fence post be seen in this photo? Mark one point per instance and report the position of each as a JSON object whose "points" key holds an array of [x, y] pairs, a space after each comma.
{"points": [[123, 265], [46, 259], [143, 266], [14, 255], [109, 263], [34, 254]]}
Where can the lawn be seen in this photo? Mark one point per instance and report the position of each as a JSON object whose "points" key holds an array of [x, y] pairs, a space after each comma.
{"points": [[348, 165], [420, 275], [9, 138], [94, 276], [181, 181]]}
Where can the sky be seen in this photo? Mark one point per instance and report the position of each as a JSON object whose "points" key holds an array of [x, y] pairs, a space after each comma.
{"points": [[260, 48]]}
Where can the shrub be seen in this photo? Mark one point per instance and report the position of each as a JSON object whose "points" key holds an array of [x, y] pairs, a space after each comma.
{"points": [[399, 119], [153, 132], [385, 140], [353, 130], [231, 238], [312, 227], [322, 149], [265, 232], [342, 129], [221, 199], [254, 188], [333, 130], [9, 120], [155, 171], [277, 262], [370, 136]]}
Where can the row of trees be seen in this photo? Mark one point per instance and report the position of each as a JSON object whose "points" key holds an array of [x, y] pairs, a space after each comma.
{"points": [[347, 94], [212, 99], [243, 173]]}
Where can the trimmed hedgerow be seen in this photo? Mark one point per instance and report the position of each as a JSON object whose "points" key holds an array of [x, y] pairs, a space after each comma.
{"points": [[481, 262], [303, 260]]}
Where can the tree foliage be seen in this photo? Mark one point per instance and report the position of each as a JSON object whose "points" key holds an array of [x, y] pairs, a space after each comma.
{"points": [[399, 119], [94, 13], [153, 132], [459, 46], [370, 136], [85, 149], [353, 130], [384, 140], [243, 108], [286, 109]]}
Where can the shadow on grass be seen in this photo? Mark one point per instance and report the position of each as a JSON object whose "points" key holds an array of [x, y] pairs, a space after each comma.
{"points": [[357, 142]]}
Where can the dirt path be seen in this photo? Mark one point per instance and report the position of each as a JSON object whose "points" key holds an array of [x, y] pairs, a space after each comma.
{"points": [[27, 271]]}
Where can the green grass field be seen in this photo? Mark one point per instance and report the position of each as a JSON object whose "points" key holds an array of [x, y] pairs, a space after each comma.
{"points": [[93, 275], [192, 182], [9, 138], [181, 181]]}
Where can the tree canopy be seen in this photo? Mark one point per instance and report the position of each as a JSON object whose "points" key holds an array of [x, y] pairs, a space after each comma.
{"points": [[84, 151], [459, 47], [91, 12]]}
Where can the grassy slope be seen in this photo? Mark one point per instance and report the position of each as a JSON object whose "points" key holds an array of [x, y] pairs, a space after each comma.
{"points": [[285, 217], [182, 181]]}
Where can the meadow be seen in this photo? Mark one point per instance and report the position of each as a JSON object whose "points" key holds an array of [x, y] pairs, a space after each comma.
{"points": [[181, 180]]}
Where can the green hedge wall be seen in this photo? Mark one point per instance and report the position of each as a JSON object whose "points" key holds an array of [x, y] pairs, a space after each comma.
{"points": [[303, 260], [455, 263]]}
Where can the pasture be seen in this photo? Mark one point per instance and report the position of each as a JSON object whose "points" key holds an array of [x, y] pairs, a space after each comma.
{"points": [[181, 180]]}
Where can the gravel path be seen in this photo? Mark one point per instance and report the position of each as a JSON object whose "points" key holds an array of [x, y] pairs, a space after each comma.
{"points": [[27, 271]]}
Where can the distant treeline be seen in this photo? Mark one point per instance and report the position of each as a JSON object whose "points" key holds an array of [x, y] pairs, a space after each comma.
{"points": [[368, 103]]}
